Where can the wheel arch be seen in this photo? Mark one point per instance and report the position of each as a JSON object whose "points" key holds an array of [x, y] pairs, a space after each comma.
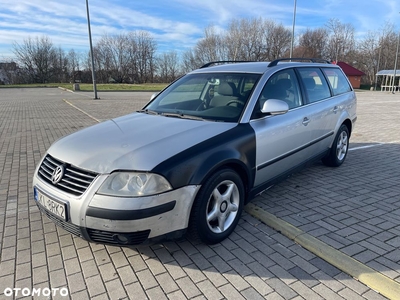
{"points": [[240, 168], [349, 125], [207, 208]]}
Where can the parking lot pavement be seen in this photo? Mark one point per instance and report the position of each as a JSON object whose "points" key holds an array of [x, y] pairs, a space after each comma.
{"points": [[354, 208]]}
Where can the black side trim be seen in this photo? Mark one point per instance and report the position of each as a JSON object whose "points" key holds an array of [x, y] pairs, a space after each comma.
{"points": [[138, 214], [260, 167]]}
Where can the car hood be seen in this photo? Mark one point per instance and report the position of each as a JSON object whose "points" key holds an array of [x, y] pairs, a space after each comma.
{"points": [[133, 142]]}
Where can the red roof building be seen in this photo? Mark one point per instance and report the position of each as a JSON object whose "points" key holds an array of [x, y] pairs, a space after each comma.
{"points": [[354, 75]]}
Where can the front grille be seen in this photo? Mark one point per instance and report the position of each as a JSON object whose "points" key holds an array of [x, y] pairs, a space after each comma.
{"points": [[115, 238], [71, 228], [75, 181]]}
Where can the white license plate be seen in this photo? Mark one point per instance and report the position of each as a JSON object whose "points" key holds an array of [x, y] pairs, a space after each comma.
{"points": [[56, 208]]}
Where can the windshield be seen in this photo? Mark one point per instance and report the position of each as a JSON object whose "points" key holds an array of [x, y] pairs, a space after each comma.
{"points": [[213, 97]]}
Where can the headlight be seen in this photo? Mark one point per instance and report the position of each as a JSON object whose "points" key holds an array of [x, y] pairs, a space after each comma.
{"points": [[132, 184]]}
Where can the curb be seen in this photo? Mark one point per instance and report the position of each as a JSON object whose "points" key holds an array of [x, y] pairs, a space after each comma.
{"points": [[370, 277]]}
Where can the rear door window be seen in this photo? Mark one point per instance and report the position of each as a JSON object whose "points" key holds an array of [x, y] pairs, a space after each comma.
{"points": [[315, 85], [337, 80]]}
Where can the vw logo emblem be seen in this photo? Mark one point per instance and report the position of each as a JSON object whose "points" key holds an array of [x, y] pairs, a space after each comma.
{"points": [[58, 174]]}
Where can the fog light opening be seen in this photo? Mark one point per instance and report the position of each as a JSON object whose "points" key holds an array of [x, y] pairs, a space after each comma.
{"points": [[121, 239]]}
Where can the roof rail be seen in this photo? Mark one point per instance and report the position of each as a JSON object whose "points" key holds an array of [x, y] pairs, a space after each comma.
{"points": [[222, 62], [314, 60]]}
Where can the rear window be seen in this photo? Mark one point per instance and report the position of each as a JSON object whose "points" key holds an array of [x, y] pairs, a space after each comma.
{"points": [[337, 80]]}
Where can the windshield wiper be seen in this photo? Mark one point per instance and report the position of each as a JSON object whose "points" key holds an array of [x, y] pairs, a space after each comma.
{"points": [[182, 116], [148, 111]]}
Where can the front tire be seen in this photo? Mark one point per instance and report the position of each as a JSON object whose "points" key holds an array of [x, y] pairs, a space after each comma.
{"points": [[217, 208], [339, 149]]}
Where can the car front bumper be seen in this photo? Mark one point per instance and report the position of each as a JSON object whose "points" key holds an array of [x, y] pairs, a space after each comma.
{"points": [[120, 220]]}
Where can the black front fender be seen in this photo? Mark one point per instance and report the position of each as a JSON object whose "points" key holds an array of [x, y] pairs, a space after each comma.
{"points": [[234, 148]]}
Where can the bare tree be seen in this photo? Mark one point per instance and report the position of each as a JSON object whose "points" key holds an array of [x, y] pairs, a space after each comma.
{"points": [[341, 44], [243, 39], [36, 57], [189, 61], [125, 58], [249, 40], [74, 65], [60, 65], [132, 57], [277, 39], [144, 56], [376, 51], [369, 51], [211, 47], [312, 43], [114, 58], [168, 66], [387, 43]]}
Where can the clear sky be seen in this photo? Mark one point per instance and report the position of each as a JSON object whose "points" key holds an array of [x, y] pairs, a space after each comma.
{"points": [[174, 24]]}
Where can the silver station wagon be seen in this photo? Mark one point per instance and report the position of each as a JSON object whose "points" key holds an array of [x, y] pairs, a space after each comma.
{"points": [[202, 148]]}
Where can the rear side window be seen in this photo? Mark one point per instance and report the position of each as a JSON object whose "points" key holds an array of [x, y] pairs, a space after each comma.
{"points": [[315, 84], [337, 81]]}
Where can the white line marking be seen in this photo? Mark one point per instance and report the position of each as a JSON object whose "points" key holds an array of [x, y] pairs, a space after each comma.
{"points": [[81, 110], [364, 147], [374, 145]]}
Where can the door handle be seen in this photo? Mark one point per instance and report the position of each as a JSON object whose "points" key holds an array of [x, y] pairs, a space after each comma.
{"points": [[335, 109], [306, 121]]}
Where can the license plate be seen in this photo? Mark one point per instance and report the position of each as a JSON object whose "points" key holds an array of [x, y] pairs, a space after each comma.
{"points": [[54, 207]]}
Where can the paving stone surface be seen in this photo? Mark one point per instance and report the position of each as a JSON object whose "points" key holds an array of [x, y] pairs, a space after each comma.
{"points": [[354, 208]]}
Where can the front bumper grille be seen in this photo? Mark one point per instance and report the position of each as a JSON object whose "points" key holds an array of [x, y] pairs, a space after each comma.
{"points": [[99, 236], [71, 228], [115, 238], [75, 181]]}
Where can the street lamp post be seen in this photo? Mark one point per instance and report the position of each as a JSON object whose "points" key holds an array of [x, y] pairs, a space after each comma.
{"points": [[91, 52], [338, 42], [294, 23], [395, 62], [377, 67]]}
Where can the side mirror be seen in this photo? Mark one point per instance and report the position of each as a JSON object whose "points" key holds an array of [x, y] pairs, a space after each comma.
{"points": [[275, 107]]}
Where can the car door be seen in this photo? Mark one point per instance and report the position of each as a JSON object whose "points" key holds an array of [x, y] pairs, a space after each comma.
{"points": [[281, 140], [321, 107]]}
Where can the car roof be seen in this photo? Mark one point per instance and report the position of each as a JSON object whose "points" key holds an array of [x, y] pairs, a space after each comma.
{"points": [[257, 67]]}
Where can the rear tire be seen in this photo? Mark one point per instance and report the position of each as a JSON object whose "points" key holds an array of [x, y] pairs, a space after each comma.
{"points": [[340, 146], [217, 208]]}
